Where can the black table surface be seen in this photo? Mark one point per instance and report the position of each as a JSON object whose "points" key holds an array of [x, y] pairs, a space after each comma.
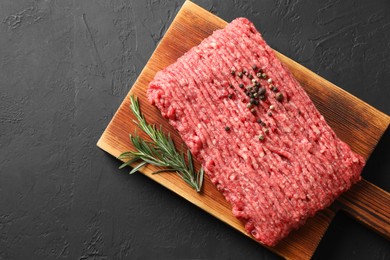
{"points": [[65, 66]]}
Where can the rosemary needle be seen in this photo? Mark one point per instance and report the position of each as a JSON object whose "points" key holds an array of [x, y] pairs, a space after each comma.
{"points": [[160, 151]]}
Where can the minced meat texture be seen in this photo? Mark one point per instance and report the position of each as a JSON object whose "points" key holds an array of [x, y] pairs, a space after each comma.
{"points": [[258, 135]]}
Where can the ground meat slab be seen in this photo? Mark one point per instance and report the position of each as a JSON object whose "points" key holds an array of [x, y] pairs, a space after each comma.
{"points": [[258, 135]]}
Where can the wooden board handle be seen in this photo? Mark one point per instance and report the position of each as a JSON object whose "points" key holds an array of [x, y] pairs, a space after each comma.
{"points": [[368, 204]]}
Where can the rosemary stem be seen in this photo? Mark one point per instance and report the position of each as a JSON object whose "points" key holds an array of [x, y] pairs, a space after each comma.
{"points": [[160, 152]]}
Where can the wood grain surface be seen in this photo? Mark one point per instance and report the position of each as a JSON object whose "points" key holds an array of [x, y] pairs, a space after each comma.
{"points": [[354, 121]]}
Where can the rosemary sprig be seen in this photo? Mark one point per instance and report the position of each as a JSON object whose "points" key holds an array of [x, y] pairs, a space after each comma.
{"points": [[160, 151]]}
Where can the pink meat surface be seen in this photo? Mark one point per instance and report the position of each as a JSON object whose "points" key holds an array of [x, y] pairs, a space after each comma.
{"points": [[256, 132]]}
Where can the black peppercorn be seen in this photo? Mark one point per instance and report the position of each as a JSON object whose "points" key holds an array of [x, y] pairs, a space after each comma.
{"points": [[261, 91], [279, 97]]}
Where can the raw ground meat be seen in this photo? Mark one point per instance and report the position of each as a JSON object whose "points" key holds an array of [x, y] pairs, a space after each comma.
{"points": [[259, 137]]}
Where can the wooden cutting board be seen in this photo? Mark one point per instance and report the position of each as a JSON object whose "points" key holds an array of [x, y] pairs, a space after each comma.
{"points": [[354, 121]]}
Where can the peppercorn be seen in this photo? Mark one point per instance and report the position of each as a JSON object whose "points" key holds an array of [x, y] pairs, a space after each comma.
{"points": [[262, 97], [240, 74], [269, 81], [249, 105], [252, 101], [253, 110], [261, 91], [261, 137], [259, 121], [241, 85], [227, 129], [232, 72], [269, 113], [250, 76], [231, 86], [259, 74], [230, 96], [266, 130], [264, 76], [254, 67], [263, 123], [272, 107], [279, 97]]}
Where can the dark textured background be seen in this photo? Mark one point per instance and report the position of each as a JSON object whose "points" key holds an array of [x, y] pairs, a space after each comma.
{"points": [[65, 66]]}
